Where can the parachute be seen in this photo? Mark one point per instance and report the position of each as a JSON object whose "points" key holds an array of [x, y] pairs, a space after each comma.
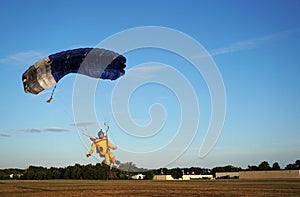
{"points": [[92, 62]]}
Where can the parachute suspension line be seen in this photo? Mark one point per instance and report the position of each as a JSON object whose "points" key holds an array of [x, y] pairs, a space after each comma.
{"points": [[107, 149], [88, 134], [106, 127], [51, 97], [106, 132]]}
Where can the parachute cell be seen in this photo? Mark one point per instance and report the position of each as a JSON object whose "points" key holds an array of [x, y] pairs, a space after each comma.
{"points": [[93, 62]]}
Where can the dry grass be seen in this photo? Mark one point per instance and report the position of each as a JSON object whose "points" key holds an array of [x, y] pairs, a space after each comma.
{"points": [[150, 188]]}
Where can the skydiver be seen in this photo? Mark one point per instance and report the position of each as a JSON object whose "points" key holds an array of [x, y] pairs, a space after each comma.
{"points": [[103, 146]]}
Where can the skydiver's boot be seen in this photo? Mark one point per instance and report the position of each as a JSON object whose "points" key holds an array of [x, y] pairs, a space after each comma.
{"points": [[117, 165]]}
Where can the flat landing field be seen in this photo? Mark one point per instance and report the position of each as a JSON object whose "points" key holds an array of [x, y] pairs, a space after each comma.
{"points": [[150, 188]]}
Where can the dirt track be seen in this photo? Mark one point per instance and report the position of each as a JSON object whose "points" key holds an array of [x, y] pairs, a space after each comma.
{"points": [[150, 188]]}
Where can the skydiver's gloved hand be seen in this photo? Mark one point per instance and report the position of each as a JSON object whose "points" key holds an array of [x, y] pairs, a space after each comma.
{"points": [[88, 155], [92, 138]]}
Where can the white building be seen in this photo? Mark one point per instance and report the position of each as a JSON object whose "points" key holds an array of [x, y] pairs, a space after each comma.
{"points": [[138, 176], [184, 177], [15, 175]]}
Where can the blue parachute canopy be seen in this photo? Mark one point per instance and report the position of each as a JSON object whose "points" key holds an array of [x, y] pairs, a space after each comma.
{"points": [[93, 62]]}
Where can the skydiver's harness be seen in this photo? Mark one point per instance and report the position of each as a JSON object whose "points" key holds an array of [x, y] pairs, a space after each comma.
{"points": [[99, 148]]}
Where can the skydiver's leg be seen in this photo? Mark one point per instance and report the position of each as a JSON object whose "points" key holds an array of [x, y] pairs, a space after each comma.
{"points": [[112, 160], [107, 160], [112, 157]]}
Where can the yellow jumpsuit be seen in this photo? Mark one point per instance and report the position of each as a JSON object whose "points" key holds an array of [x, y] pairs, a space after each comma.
{"points": [[103, 148]]}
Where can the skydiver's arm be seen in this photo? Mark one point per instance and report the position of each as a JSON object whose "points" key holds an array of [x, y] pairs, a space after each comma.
{"points": [[92, 138], [91, 150], [110, 145], [106, 131]]}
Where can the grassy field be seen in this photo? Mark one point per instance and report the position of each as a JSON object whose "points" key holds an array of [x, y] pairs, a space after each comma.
{"points": [[150, 188]]}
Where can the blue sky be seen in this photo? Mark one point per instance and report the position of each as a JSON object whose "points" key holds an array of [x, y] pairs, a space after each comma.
{"points": [[254, 44]]}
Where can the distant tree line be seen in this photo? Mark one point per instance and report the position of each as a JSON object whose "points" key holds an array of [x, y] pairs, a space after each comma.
{"points": [[98, 171], [125, 171], [266, 166]]}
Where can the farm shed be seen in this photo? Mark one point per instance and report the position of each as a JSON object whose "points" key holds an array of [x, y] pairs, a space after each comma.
{"points": [[162, 177], [274, 174], [227, 175]]}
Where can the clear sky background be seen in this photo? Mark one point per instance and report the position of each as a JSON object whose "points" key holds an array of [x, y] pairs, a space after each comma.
{"points": [[255, 45]]}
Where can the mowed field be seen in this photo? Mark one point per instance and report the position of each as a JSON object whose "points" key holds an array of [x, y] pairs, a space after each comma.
{"points": [[150, 188]]}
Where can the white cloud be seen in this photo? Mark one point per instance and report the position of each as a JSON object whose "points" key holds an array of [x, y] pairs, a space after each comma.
{"points": [[4, 135], [251, 43], [84, 123], [40, 130], [239, 46], [23, 58], [144, 72]]}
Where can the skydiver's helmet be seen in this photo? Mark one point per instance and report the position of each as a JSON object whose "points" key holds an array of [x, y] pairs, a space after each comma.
{"points": [[100, 134]]}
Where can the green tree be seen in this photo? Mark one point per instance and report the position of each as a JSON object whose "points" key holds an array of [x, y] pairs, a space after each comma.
{"points": [[176, 173], [89, 172], [218, 169], [76, 172], [3, 175], [289, 167], [264, 166], [230, 168], [297, 165], [41, 174], [275, 166], [164, 171], [149, 174], [195, 170], [294, 166], [252, 168], [122, 175], [28, 175], [56, 173], [67, 172], [35, 173], [102, 171]]}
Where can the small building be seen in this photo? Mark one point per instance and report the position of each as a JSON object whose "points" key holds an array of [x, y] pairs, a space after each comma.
{"points": [[138, 176], [196, 177], [15, 176], [270, 174], [227, 175], [184, 177], [162, 177]]}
